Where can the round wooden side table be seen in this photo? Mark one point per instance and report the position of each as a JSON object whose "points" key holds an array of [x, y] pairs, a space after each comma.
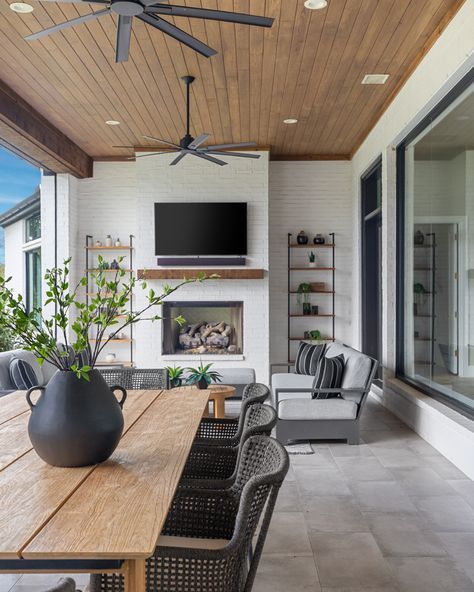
{"points": [[219, 393]]}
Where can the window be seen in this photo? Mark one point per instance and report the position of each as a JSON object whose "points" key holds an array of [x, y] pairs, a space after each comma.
{"points": [[33, 279], [436, 252], [33, 228]]}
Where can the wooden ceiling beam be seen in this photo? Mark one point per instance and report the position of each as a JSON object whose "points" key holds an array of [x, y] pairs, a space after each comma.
{"points": [[30, 135]]}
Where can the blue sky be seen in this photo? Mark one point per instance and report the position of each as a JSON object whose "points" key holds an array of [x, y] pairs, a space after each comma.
{"points": [[18, 179]]}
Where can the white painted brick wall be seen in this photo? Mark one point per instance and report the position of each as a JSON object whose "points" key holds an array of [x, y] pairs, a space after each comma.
{"points": [[315, 197]]}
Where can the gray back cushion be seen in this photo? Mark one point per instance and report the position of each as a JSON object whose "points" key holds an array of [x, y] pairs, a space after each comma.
{"points": [[356, 370], [7, 357]]}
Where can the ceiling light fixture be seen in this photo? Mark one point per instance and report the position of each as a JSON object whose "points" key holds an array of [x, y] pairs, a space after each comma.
{"points": [[112, 122], [21, 7], [375, 79], [290, 121], [315, 4]]}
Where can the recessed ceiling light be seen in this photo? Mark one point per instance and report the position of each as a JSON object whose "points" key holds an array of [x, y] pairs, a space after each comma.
{"points": [[112, 122], [375, 79], [315, 4], [21, 7], [290, 121]]}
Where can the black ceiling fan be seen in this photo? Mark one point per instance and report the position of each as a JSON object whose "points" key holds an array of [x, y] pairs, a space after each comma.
{"points": [[190, 145], [150, 12]]}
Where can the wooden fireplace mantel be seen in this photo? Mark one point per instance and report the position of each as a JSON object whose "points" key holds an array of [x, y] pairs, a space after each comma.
{"points": [[170, 273]]}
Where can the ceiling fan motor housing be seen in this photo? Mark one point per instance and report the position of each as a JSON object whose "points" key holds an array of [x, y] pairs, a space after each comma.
{"points": [[126, 8], [185, 141]]}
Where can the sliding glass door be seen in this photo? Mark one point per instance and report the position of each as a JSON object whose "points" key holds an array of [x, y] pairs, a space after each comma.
{"points": [[436, 254]]}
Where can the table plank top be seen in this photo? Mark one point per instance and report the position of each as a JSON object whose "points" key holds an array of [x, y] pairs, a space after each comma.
{"points": [[32, 491], [119, 510], [12, 405]]}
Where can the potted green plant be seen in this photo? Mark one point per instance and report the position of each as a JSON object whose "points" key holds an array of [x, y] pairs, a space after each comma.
{"points": [[202, 376], [312, 259], [315, 335], [175, 374], [77, 420]]}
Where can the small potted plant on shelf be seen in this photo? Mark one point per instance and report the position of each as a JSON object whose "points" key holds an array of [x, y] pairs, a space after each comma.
{"points": [[316, 335], [202, 376], [175, 374], [312, 259], [77, 421], [302, 297]]}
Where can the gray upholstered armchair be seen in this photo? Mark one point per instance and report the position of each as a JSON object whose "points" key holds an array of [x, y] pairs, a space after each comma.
{"points": [[302, 417]]}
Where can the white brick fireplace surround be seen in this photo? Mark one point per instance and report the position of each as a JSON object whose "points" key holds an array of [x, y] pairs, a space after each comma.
{"points": [[315, 196]]}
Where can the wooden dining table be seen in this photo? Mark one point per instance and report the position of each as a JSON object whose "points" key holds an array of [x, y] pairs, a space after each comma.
{"points": [[101, 518]]}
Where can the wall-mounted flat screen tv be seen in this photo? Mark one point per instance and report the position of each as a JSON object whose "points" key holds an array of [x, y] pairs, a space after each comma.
{"points": [[191, 229]]}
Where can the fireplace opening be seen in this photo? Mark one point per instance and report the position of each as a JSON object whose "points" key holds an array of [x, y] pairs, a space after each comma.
{"points": [[211, 328]]}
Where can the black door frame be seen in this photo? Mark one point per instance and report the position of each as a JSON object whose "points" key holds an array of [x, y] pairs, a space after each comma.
{"points": [[367, 295]]}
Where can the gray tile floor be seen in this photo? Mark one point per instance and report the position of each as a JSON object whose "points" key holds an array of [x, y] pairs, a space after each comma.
{"points": [[390, 515]]}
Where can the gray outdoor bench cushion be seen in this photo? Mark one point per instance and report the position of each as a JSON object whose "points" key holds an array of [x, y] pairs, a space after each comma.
{"points": [[236, 377], [300, 417], [317, 409]]}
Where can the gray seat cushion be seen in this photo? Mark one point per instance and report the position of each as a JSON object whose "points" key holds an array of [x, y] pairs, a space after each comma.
{"points": [[317, 409], [236, 377]]}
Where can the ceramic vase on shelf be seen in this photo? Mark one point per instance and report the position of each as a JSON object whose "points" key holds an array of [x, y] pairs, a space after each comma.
{"points": [[98, 243], [319, 239], [108, 241], [110, 358], [302, 238], [419, 237], [118, 243]]}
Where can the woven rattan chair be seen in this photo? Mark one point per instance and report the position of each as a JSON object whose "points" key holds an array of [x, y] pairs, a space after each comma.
{"points": [[137, 378], [64, 585], [215, 467], [207, 539], [215, 431]]}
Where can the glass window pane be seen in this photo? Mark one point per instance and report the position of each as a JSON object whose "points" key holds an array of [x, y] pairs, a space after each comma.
{"points": [[33, 279], [439, 254], [33, 228]]}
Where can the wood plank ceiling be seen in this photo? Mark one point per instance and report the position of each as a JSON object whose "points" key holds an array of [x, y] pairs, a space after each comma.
{"points": [[308, 66]]}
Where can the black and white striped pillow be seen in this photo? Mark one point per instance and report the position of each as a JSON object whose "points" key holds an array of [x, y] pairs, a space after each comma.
{"points": [[308, 356], [328, 375], [22, 374]]}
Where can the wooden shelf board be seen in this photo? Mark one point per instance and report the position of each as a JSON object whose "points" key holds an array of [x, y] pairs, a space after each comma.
{"points": [[314, 292], [115, 340], [108, 270], [310, 315], [309, 339], [238, 273], [312, 268], [104, 248], [128, 364], [312, 246]]}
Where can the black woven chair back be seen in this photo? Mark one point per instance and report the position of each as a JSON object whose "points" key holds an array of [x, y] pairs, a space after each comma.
{"points": [[137, 378], [262, 468], [256, 392], [259, 419]]}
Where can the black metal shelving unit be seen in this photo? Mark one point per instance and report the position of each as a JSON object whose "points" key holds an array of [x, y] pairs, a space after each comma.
{"points": [[91, 248], [330, 291]]}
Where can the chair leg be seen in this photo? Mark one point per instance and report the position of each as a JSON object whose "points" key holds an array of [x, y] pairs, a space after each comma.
{"points": [[353, 434]]}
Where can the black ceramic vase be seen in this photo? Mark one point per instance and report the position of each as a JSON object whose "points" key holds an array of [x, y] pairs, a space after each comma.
{"points": [[202, 384], [75, 422]]}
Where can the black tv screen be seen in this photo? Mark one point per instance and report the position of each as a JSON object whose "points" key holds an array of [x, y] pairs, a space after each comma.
{"points": [[189, 229]]}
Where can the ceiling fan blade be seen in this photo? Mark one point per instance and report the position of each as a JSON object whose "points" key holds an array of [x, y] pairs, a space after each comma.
{"points": [[178, 158], [124, 33], [163, 142], [80, 1], [209, 14], [225, 146], [67, 24], [209, 158], [178, 34], [156, 153], [198, 141], [131, 147], [239, 154]]}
